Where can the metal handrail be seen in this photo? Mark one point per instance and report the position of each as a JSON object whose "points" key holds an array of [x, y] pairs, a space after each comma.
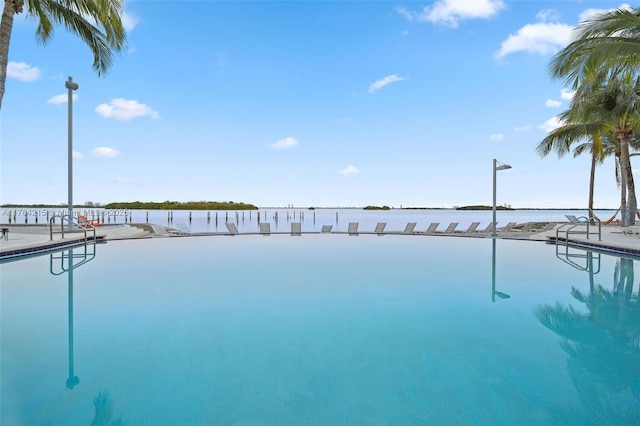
{"points": [[582, 220], [73, 221]]}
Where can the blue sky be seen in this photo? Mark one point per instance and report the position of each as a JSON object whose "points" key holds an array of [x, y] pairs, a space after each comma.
{"points": [[304, 103]]}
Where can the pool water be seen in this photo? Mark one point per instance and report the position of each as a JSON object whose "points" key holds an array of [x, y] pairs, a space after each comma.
{"points": [[320, 330]]}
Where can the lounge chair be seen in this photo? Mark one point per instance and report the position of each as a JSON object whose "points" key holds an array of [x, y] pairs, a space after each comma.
{"points": [[548, 227], [183, 228], [432, 228], [509, 226], [489, 228], [326, 229], [353, 228], [527, 227], [631, 230], [231, 227], [85, 223], [451, 228], [472, 228], [409, 228], [265, 228], [380, 228], [296, 228], [574, 219]]}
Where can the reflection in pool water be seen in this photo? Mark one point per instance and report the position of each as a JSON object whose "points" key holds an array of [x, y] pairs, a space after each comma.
{"points": [[320, 330]]}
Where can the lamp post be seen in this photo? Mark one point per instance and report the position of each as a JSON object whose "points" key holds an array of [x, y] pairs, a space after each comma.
{"points": [[71, 86], [496, 166]]}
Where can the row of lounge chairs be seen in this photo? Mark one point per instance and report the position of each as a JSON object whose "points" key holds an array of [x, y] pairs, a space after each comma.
{"points": [[296, 229]]}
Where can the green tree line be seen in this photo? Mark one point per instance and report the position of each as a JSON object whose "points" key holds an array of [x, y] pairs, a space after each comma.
{"points": [[176, 205]]}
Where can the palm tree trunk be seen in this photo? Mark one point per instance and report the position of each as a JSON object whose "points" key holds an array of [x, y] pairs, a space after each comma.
{"points": [[592, 180], [630, 207], [11, 7]]}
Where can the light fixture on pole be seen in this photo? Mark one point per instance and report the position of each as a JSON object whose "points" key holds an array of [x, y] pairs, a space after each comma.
{"points": [[71, 86], [496, 166]]}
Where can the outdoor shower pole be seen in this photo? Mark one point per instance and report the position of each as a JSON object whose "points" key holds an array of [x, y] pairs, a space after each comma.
{"points": [[71, 86], [495, 169], [493, 228]]}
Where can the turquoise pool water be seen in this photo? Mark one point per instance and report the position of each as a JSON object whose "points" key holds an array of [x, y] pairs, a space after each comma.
{"points": [[321, 330]]}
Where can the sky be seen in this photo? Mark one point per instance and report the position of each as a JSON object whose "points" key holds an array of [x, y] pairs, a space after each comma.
{"points": [[302, 103]]}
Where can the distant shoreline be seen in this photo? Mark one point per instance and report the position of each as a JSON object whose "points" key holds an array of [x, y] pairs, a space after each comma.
{"points": [[459, 208]]}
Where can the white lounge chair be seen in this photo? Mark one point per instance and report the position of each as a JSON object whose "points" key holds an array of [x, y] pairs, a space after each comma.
{"points": [[472, 228], [380, 228], [409, 228], [296, 228], [509, 226], [432, 228], [265, 228], [574, 219], [161, 231], [451, 228], [183, 228], [353, 228], [631, 230], [231, 227], [489, 228]]}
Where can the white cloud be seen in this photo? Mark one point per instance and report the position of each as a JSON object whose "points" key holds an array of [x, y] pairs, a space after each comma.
{"points": [[566, 94], [104, 152], [125, 109], [552, 103], [543, 37], [547, 15], [129, 21], [383, 82], [451, 12], [77, 155], [525, 128], [22, 71], [551, 124], [285, 143], [62, 99], [349, 170], [590, 13], [497, 137]]}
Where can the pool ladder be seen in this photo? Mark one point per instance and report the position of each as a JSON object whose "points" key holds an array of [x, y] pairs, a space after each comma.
{"points": [[74, 225], [582, 221], [563, 233]]}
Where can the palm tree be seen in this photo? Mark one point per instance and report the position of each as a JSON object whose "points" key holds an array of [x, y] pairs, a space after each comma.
{"points": [[609, 41], [579, 123], [621, 98], [97, 22], [561, 140]]}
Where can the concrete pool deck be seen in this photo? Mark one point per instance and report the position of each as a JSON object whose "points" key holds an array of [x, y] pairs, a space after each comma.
{"points": [[24, 240]]}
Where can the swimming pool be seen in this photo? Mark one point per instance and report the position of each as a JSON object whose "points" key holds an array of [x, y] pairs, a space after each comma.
{"points": [[322, 329]]}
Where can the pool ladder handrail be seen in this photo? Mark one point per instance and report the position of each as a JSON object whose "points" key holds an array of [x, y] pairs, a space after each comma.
{"points": [[582, 220], [72, 220]]}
